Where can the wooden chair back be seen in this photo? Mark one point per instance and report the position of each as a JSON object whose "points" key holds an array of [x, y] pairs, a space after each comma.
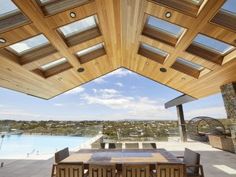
{"points": [[61, 155], [170, 170], [98, 145], [149, 145], [96, 170], [115, 146], [191, 158], [135, 170], [70, 170], [131, 146]]}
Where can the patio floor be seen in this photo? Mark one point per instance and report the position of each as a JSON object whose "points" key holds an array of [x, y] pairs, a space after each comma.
{"points": [[216, 163]]}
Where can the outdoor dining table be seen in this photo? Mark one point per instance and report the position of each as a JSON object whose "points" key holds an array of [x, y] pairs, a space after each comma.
{"points": [[121, 156]]}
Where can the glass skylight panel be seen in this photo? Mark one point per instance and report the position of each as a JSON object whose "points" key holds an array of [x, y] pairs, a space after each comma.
{"points": [[165, 26], [90, 49], [7, 7], [196, 2], [230, 7], [189, 64], [29, 44], [45, 1], [154, 50], [53, 64], [213, 44], [79, 26]]}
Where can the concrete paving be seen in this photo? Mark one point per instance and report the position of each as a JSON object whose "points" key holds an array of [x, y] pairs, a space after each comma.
{"points": [[216, 163]]}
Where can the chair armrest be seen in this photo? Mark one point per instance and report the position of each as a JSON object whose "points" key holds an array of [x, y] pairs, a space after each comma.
{"points": [[199, 167], [180, 157], [53, 172]]}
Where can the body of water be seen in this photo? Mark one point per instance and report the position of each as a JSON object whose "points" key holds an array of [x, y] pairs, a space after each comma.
{"points": [[37, 146]]}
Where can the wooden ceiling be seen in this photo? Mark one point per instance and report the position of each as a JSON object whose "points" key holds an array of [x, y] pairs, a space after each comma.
{"points": [[122, 28]]}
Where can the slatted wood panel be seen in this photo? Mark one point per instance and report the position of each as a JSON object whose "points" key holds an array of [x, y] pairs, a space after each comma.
{"points": [[70, 170], [121, 24], [170, 170], [102, 170], [135, 170]]}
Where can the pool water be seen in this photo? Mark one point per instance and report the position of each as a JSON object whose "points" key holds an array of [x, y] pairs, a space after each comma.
{"points": [[35, 146]]}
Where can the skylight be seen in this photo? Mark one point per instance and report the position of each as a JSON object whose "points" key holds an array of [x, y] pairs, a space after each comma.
{"points": [[53, 64], [90, 49], [79, 26], [7, 7], [154, 50], [229, 6], [213, 44], [189, 64], [45, 1], [29, 44], [196, 2], [165, 26]]}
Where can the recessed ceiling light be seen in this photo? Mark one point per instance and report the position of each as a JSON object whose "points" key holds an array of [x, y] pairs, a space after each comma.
{"points": [[147, 63], [80, 70], [163, 70], [72, 14], [2, 40], [168, 14]]}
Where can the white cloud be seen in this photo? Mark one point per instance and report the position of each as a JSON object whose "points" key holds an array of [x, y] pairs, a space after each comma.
{"points": [[117, 73], [119, 84], [75, 91], [58, 104], [99, 80], [215, 112], [134, 107], [120, 73]]}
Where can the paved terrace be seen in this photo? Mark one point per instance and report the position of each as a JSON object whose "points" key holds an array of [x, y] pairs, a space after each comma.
{"points": [[216, 163]]}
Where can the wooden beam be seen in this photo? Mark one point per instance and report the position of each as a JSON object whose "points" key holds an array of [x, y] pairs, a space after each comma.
{"points": [[201, 20], [179, 101], [33, 11]]}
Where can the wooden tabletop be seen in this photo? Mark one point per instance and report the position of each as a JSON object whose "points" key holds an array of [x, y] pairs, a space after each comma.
{"points": [[120, 156]]}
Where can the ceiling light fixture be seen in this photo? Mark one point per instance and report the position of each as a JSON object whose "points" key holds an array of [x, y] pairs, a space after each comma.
{"points": [[2, 41], [163, 70], [72, 14], [80, 70], [168, 14]]}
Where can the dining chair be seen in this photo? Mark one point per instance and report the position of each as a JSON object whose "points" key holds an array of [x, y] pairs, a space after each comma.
{"points": [[149, 145], [59, 156], [98, 146], [131, 146], [192, 161], [115, 146], [70, 170], [135, 170], [102, 170], [170, 170]]}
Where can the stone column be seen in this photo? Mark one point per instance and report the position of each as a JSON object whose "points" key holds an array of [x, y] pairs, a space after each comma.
{"points": [[229, 96], [181, 121]]}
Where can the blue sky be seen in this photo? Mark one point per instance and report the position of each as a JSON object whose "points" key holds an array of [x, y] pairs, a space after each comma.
{"points": [[117, 96]]}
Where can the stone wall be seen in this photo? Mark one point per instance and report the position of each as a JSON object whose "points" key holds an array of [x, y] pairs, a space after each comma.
{"points": [[229, 96]]}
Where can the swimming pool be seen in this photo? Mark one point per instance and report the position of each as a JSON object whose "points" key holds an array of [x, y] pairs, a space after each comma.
{"points": [[37, 147]]}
